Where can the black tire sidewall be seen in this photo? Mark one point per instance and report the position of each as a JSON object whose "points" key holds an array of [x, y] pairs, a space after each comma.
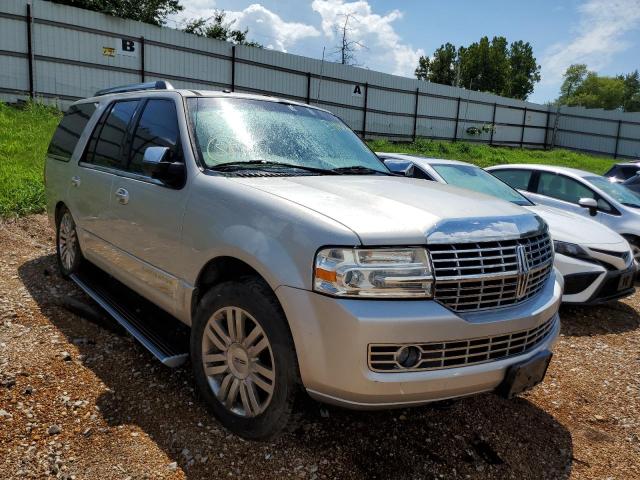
{"points": [[257, 299], [78, 254]]}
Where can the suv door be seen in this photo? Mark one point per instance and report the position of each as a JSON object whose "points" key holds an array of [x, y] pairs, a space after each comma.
{"points": [[147, 215], [89, 195]]}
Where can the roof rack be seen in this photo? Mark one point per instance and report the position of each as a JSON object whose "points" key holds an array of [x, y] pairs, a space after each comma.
{"points": [[134, 87]]}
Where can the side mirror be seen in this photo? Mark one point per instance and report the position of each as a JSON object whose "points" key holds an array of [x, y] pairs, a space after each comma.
{"points": [[589, 203], [400, 167], [157, 163]]}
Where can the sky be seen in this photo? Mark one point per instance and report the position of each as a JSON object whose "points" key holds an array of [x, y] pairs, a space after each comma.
{"points": [[604, 34]]}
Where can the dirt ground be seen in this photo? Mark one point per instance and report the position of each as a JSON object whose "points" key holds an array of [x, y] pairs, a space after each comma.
{"points": [[80, 399]]}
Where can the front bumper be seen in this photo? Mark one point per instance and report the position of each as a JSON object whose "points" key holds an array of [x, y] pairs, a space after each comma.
{"points": [[332, 337], [589, 282]]}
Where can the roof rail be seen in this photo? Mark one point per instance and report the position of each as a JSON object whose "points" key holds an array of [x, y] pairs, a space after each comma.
{"points": [[134, 87]]}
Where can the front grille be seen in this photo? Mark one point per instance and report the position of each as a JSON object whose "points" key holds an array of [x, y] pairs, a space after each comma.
{"points": [[458, 353], [478, 276]]}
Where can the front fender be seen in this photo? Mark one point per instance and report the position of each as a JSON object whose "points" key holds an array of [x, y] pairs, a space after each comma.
{"points": [[276, 237]]}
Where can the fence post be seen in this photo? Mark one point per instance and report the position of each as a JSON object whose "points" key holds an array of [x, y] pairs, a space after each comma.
{"points": [[233, 68], [455, 133], [493, 123], [364, 115], [546, 129], [524, 122], [615, 152], [308, 88], [556, 121], [142, 70], [30, 50], [415, 115]]}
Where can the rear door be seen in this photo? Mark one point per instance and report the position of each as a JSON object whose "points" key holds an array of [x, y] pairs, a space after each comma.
{"points": [[64, 150], [147, 215], [89, 195]]}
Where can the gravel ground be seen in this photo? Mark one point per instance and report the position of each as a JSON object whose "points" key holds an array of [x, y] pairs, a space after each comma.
{"points": [[80, 399]]}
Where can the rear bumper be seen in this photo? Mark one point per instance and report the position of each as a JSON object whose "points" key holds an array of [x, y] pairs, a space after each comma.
{"points": [[332, 337]]}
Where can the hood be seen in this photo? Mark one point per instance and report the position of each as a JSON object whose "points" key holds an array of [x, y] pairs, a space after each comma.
{"points": [[570, 227], [398, 210]]}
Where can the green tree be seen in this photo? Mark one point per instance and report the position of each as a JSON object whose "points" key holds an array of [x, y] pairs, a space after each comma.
{"points": [[424, 67], [573, 78], [443, 65], [219, 28], [484, 65], [524, 71], [585, 88], [148, 11], [487, 65], [631, 97]]}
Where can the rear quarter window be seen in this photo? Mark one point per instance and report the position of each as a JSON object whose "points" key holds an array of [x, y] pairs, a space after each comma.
{"points": [[518, 179], [66, 136]]}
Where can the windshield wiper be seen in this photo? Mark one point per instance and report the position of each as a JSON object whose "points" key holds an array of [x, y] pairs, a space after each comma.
{"points": [[358, 170], [267, 164]]}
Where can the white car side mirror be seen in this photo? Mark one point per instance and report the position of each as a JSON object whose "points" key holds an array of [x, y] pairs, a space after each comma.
{"points": [[589, 203]]}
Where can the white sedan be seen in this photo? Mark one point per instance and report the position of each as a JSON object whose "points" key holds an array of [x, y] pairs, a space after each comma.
{"points": [[596, 262]]}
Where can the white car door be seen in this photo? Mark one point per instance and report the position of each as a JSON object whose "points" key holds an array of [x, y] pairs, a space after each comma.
{"points": [[561, 191]]}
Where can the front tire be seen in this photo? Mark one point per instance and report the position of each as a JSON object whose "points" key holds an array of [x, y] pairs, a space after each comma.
{"points": [[244, 360], [67, 245]]}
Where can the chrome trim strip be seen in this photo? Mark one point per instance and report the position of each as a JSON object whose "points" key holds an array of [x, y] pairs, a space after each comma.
{"points": [[485, 229]]}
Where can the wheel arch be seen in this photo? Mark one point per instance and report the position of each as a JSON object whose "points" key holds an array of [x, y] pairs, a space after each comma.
{"points": [[57, 211], [221, 269]]}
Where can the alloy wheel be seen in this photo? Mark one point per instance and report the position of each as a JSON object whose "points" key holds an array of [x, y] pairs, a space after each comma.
{"points": [[238, 361], [67, 241]]}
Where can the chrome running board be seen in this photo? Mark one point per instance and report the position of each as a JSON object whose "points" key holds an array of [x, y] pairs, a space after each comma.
{"points": [[159, 332]]}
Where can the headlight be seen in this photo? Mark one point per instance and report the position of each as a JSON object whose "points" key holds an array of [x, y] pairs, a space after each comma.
{"points": [[373, 272], [570, 249]]}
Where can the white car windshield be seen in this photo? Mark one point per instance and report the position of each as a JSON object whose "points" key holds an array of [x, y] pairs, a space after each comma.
{"points": [[619, 192], [247, 133], [476, 179]]}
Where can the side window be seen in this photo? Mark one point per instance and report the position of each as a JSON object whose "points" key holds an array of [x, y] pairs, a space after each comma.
{"points": [[604, 206], [419, 173], [563, 188], [106, 146], [158, 127], [69, 131], [627, 172], [518, 179]]}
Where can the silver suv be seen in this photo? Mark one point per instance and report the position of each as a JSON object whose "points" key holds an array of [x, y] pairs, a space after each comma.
{"points": [[262, 238]]}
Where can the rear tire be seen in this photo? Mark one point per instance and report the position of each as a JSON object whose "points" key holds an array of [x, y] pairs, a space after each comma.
{"points": [[67, 246], [244, 359]]}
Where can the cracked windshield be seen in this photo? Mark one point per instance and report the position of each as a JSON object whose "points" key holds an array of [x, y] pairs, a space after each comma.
{"points": [[244, 133]]}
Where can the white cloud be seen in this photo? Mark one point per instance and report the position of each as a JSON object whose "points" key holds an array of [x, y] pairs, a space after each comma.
{"points": [[384, 50], [598, 36], [265, 26], [270, 29]]}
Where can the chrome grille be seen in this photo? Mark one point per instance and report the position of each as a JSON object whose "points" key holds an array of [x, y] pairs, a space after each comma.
{"points": [[478, 276], [458, 353]]}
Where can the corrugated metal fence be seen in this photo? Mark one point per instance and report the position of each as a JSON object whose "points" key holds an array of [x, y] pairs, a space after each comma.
{"points": [[62, 53]]}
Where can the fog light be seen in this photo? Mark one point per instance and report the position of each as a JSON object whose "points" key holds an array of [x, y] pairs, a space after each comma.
{"points": [[408, 357]]}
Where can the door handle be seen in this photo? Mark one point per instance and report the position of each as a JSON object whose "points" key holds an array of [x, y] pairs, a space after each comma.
{"points": [[75, 181], [123, 196]]}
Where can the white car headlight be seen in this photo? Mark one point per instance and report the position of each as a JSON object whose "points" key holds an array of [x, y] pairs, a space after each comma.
{"points": [[374, 272]]}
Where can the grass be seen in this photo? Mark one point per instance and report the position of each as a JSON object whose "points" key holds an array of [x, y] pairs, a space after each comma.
{"points": [[25, 133], [24, 137], [485, 156]]}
